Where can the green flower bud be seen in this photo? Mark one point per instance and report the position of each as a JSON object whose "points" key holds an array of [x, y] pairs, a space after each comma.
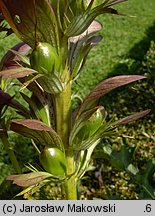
{"points": [[53, 161], [91, 125], [44, 58]]}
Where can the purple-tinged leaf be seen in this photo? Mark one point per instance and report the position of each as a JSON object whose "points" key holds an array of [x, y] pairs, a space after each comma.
{"points": [[131, 118], [38, 131], [29, 191], [94, 27], [30, 20], [17, 72], [105, 87], [9, 59], [112, 11], [79, 47], [6, 99], [79, 52], [26, 180], [108, 128]]}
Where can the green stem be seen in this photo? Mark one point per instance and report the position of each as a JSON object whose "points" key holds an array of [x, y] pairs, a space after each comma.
{"points": [[63, 127], [71, 183], [63, 114], [11, 154]]}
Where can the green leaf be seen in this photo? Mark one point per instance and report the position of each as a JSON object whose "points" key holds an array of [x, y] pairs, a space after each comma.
{"points": [[79, 24], [132, 169], [109, 3], [38, 110], [31, 20], [39, 92], [84, 159], [26, 180], [4, 27], [78, 21], [145, 180], [121, 160], [51, 84], [38, 131], [88, 143], [78, 124], [29, 80], [105, 87]]}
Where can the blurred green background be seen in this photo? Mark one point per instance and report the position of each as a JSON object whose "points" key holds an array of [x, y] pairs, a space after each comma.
{"points": [[128, 47]]}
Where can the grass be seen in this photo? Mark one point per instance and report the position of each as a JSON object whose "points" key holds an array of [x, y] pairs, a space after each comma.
{"points": [[125, 39], [6, 43], [125, 49]]}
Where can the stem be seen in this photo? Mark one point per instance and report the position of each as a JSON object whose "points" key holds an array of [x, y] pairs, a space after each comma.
{"points": [[63, 127], [71, 183], [63, 114], [10, 152]]}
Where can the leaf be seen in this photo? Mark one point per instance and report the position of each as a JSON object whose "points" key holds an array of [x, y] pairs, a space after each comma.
{"points": [[79, 54], [35, 88], [81, 19], [131, 118], [85, 157], [145, 180], [108, 128], [121, 160], [21, 58], [4, 27], [51, 84], [78, 24], [26, 180], [94, 27], [30, 80], [17, 72], [9, 59], [79, 47], [30, 20], [88, 143], [113, 2], [6, 99], [29, 191], [38, 131], [105, 87], [79, 122], [132, 169], [38, 110]]}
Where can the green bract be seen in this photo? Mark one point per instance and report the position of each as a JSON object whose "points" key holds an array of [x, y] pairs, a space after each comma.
{"points": [[91, 125], [44, 58], [53, 161]]}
